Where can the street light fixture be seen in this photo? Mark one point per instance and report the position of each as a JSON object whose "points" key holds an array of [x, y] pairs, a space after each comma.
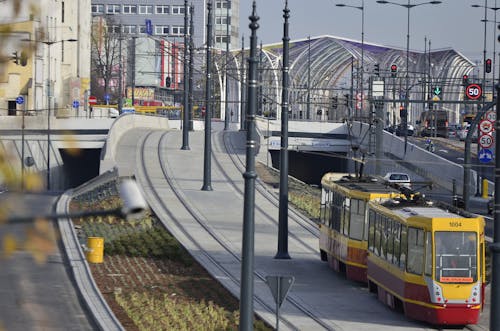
{"points": [[408, 6], [360, 74], [133, 207], [49, 43]]}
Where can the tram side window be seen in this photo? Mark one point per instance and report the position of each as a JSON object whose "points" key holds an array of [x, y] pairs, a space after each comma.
{"points": [[357, 219], [404, 247], [371, 231], [378, 232], [415, 251], [390, 240], [396, 232], [324, 205], [428, 253], [346, 218], [383, 238], [338, 201]]}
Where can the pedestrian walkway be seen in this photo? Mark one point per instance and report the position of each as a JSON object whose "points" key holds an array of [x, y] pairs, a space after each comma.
{"points": [[209, 225]]}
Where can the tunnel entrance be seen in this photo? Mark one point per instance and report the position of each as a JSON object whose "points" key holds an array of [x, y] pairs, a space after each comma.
{"points": [[79, 165], [310, 167]]}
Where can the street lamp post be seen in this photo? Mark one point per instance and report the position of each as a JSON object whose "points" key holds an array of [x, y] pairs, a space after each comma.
{"points": [[185, 122], [207, 164], [228, 38], [408, 6], [283, 192], [361, 70]]}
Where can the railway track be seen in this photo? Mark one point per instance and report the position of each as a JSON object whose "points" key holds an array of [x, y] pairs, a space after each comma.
{"points": [[154, 172]]}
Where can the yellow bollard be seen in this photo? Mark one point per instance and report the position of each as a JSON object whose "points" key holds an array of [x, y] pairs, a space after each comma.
{"points": [[96, 249], [485, 189]]}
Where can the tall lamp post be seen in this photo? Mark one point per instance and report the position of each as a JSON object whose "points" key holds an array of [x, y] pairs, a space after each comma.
{"points": [[283, 193], [228, 39], [361, 71], [49, 43], [207, 152], [185, 122], [408, 6]]}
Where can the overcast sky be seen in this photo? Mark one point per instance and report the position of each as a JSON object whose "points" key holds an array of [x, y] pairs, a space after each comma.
{"points": [[453, 23]]}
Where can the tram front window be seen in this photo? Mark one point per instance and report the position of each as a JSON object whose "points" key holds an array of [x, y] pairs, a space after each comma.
{"points": [[456, 257]]}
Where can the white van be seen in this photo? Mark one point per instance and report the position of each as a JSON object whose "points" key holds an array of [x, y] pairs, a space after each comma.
{"points": [[400, 178]]}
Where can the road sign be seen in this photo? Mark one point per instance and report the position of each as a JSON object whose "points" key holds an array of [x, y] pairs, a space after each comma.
{"points": [[485, 155], [106, 97], [149, 27], [473, 91], [279, 286], [485, 126], [485, 141], [76, 104], [20, 100], [92, 100], [491, 116], [435, 98], [437, 90]]}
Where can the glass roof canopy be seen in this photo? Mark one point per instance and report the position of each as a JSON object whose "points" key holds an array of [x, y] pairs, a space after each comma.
{"points": [[326, 71]]}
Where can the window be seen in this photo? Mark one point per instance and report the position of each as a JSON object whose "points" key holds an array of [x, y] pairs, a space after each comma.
{"points": [[396, 232], [114, 29], [145, 9], [162, 9], [97, 9], [221, 20], [177, 30], [404, 247], [220, 39], [130, 29], [357, 219], [160, 29], [378, 234], [346, 217], [390, 240], [222, 4], [456, 257], [113, 9], [415, 251], [177, 10], [371, 231], [129, 9], [428, 254]]}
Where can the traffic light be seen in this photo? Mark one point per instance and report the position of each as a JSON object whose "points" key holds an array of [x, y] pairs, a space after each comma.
{"points": [[167, 81], [487, 66], [335, 102], [465, 80], [376, 70], [23, 59], [15, 57], [346, 102], [394, 70]]}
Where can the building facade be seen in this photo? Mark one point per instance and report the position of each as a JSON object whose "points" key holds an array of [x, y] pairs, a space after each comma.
{"points": [[53, 38]]}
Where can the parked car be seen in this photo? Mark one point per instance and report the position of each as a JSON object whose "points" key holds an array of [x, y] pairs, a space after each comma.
{"points": [[400, 178]]}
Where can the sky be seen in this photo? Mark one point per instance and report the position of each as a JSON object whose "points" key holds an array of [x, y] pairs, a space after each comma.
{"points": [[451, 24]]}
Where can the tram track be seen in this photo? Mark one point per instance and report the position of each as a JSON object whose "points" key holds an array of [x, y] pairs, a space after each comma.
{"points": [[231, 280]]}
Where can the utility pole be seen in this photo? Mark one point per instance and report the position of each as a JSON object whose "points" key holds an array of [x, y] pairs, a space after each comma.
{"points": [[242, 86], [247, 249], [185, 122], [191, 68], [283, 192], [226, 116], [207, 164]]}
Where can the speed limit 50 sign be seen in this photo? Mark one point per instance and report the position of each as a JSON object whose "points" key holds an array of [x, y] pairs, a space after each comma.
{"points": [[473, 91], [485, 141]]}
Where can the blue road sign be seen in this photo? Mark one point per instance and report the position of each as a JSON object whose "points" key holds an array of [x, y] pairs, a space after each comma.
{"points": [[106, 97], [20, 100], [149, 27], [485, 155], [76, 104]]}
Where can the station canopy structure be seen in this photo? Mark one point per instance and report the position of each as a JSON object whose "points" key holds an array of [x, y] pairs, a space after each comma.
{"points": [[329, 81]]}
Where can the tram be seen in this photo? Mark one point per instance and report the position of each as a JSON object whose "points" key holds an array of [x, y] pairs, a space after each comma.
{"points": [[427, 259], [344, 221]]}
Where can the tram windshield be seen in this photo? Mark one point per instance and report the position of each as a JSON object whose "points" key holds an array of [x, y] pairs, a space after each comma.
{"points": [[456, 257]]}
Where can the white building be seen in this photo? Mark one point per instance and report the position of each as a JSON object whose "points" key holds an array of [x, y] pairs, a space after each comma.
{"points": [[55, 37]]}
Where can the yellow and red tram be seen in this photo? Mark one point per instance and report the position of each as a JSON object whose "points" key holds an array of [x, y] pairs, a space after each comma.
{"points": [[344, 221], [427, 260]]}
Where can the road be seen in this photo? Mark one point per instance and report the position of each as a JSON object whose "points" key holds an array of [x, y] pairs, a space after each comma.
{"points": [[36, 296]]}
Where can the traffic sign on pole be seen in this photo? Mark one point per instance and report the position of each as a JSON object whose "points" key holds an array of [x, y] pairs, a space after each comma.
{"points": [[485, 126], [473, 91], [20, 100], [76, 104], [485, 155], [485, 141], [491, 116], [92, 100]]}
